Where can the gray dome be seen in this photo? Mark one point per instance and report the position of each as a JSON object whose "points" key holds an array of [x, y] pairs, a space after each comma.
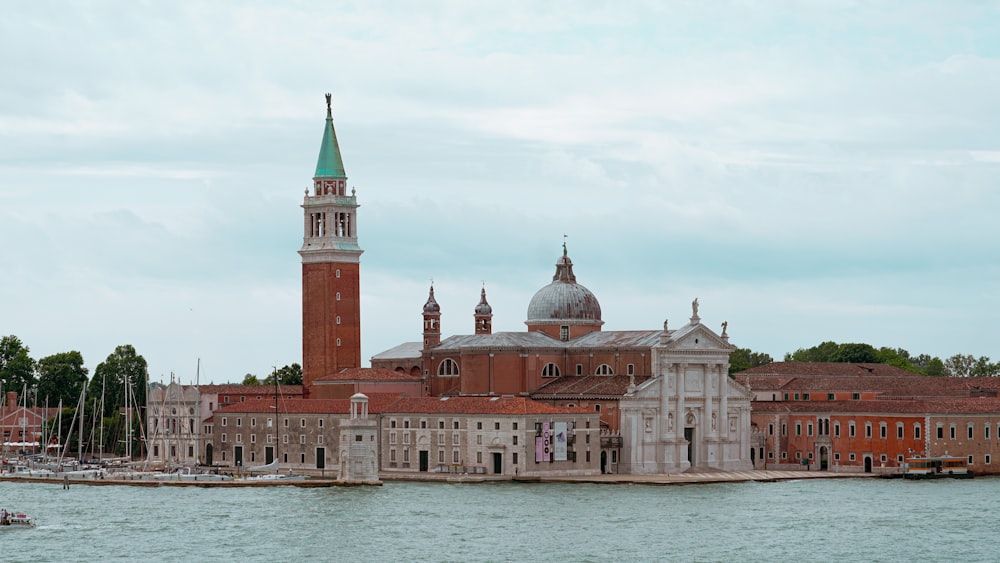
{"points": [[483, 308], [564, 300], [431, 307]]}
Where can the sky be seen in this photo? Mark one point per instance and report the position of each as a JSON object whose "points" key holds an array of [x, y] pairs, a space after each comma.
{"points": [[809, 171]]}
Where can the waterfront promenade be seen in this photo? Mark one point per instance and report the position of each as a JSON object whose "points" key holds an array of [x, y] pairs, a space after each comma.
{"points": [[689, 478]]}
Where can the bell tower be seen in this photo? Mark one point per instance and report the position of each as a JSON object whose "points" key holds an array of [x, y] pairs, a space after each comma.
{"points": [[331, 258]]}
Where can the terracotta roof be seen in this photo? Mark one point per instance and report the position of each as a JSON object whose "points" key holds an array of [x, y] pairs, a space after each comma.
{"points": [[578, 386], [377, 402], [824, 369], [369, 374], [236, 388], [479, 405]]}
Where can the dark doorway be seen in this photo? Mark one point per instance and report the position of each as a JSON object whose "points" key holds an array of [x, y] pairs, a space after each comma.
{"points": [[753, 457], [689, 436], [868, 464], [320, 458], [208, 454], [424, 455], [497, 463], [604, 462], [824, 459], [268, 454], [238, 456]]}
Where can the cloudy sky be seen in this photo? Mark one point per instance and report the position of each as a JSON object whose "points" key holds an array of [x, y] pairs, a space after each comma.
{"points": [[810, 172]]}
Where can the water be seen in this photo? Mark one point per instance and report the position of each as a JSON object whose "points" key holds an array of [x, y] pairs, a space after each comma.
{"points": [[809, 520]]}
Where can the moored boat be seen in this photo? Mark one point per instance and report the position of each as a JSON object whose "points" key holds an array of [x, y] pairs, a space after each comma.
{"points": [[937, 467]]}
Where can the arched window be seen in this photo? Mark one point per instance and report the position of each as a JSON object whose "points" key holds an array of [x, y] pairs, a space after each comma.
{"points": [[550, 370], [448, 367], [604, 369]]}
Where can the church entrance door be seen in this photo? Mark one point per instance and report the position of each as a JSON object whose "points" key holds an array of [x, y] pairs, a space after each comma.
{"points": [[689, 436]]}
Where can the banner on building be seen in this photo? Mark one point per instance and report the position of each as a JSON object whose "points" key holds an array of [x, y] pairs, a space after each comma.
{"points": [[543, 444], [559, 441]]}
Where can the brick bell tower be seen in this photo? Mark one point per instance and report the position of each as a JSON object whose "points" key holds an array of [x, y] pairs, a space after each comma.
{"points": [[331, 258]]}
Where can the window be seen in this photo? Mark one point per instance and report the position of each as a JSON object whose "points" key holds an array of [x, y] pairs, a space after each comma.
{"points": [[479, 457], [798, 428], [856, 397], [406, 437], [882, 432], [239, 422], [630, 370], [970, 460], [454, 424], [899, 459], [392, 455], [850, 429], [253, 422], [970, 431], [285, 422], [423, 424], [223, 436], [770, 429], [579, 369], [406, 423], [604, 369], [496, 426], [319, 439], [479, 426], [830, 396], [784, 429], [302, 423], [515, 439], [448, 367], [514, 426], [868, 430], [809, 429], [798, 455], [479, 439], [338, 319], [515, 457], [440, 425], [899, 430], [564, 333], [986, 431], [392, 423], [883, 458], [940, 432], [338, 296], [796, 396], [805, 396], [786, 396], [302, 438], [406, 455], [320, 421], [268, 438], [852, 457], [836, 429], [440, 456], [987, 459], [338, 342], [224, 421], [597, 407], [952, 433], [916, 430], [550, 370]]}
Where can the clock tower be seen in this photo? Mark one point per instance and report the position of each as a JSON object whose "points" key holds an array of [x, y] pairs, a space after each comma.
{"points": [[331, 257]]}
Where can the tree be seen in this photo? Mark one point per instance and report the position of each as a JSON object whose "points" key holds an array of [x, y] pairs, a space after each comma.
{"points": [[288, 375], [744, 359], [122, 370], [61, 377], [17, 368], [856, 353], [821, 353], [250, 379]]}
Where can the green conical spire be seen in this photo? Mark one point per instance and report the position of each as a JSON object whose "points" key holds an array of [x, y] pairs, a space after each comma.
{"points": [[329, 165]]}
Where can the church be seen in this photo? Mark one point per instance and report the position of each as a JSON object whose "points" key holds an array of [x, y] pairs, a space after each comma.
{"points": [[664, 397]]}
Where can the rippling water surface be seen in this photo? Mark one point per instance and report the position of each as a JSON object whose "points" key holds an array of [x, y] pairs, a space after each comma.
{"points": [[810, 520]]}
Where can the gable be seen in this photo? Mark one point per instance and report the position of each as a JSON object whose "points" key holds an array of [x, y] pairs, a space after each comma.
{"points": [[698, 337]]}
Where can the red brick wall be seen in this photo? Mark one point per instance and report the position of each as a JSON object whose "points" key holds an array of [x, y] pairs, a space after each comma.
{"points": [[320, 308]]}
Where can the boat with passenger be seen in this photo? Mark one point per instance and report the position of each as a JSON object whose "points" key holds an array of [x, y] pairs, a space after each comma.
{"points": [[937, 467], [15, 519]]}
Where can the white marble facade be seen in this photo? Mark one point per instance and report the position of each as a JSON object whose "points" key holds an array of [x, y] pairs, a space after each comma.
{"points": [[691, 414]]}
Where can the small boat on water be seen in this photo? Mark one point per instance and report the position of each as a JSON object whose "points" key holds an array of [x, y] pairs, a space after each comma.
{"points": [[937, 467], [15, 519]]}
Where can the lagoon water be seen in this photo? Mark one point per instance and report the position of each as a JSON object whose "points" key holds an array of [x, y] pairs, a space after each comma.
{"points": [[808, 520]]}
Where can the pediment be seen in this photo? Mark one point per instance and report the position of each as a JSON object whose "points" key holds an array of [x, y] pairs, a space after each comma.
{"points": [[697, 337]]}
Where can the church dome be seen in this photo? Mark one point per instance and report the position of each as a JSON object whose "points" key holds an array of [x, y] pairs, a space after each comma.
{"points": [[483, 308], [564, 301], [431, 307]]}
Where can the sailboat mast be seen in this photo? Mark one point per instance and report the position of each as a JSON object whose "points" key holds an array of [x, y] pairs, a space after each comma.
{"points": [[277, 443]]}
